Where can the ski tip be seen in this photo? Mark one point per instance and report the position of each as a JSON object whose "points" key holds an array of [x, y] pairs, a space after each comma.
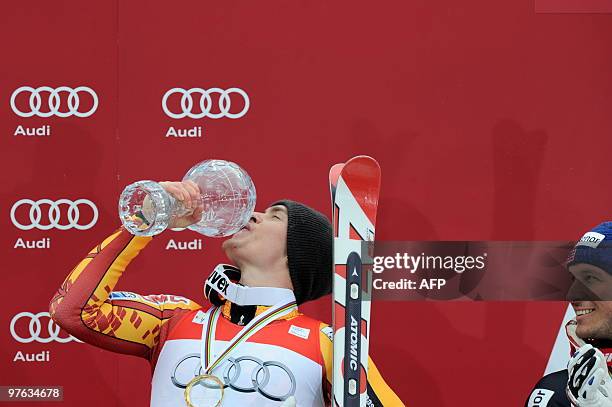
{"points": [[336, 168], [363, 163], [363, 158], [334, 172]]}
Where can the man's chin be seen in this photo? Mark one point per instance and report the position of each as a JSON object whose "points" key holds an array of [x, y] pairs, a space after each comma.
{"points": [[231, 250], [232, 240], [227, 246], [583, 332], [226, 243], [586, 330]]}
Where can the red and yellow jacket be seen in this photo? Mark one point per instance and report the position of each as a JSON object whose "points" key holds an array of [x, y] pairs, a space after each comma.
{"points": [[293, 354]]}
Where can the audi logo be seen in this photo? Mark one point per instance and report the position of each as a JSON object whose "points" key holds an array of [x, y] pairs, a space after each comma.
{"points": [[54, 101], [205, 105], [54, 214], [236, 376], [35, 328]]}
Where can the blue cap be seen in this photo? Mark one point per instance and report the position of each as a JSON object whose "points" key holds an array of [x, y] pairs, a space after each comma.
{"points": [[595, 248]]}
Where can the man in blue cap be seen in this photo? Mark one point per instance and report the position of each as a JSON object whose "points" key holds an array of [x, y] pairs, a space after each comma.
{"points": [[586, 382]]}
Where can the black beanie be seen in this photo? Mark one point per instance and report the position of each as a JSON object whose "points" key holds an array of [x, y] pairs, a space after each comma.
{"points": [[309, 251]]}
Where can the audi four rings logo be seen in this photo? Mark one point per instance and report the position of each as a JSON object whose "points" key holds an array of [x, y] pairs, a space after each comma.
{"points": [[54, 214], [236, 376], [35, 328], [54, 101], [205, 106]]}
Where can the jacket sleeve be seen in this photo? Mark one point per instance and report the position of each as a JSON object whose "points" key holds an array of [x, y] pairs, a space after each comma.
{"points": [[86, 306], [379, 393], [550, 391]]}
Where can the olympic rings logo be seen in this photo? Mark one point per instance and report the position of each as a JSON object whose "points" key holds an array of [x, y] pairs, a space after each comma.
{"points": [[35, 101], [205, 105], [35, 329], [35, 214], [259, 377]]}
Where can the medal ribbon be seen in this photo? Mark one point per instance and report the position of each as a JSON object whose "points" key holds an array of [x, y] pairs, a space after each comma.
{"points": [[259, 322]]}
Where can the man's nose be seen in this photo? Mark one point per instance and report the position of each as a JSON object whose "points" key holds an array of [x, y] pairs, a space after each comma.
{"points": [[579, 292], [575, 292], [257, 217]]}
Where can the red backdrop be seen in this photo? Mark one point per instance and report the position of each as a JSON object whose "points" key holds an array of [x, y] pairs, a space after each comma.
{"points": [[489, 120]]}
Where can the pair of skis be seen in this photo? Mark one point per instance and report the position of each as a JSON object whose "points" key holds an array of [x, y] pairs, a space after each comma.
{"points": [[354, 188]]}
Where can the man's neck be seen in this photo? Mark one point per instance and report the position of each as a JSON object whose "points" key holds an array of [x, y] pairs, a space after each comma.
{"points": [[251, 276]]}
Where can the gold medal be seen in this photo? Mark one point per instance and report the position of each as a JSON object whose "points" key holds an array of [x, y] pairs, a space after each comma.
{"points": [[202, 380], [206, 390]]}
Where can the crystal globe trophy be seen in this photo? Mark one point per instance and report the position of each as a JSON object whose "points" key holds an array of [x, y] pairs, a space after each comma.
{"points": [[227, 195]]}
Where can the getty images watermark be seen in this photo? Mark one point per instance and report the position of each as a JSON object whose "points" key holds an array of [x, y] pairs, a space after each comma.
{"points": [[507, 271]]}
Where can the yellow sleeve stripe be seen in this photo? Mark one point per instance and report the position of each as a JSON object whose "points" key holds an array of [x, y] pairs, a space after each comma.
{"points": [[116, 269], [102, 316], [382, 390], [105, 242], [384, 393], [327, 351]]}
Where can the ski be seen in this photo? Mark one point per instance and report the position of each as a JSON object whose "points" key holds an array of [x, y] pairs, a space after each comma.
{"points": [[354, 188], [334, 174]]}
